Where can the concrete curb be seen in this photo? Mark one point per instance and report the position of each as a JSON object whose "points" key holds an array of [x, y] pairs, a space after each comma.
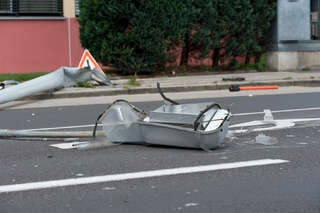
{"points": [[123, 91]]}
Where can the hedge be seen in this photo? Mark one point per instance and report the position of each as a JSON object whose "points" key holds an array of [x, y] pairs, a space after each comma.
{"points": [[135, 36]]}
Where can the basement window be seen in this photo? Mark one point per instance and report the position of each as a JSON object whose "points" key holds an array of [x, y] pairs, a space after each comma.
{"points": [[6, 6], [31, 8], [77, 7]]}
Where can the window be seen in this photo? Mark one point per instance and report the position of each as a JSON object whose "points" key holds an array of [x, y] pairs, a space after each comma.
{"points": [[77, 7], [6, 6], [315, 29], [31, 7]]}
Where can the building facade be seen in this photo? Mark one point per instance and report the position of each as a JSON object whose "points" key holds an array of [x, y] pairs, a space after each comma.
{"points": [[295, 40], [42, 35], [38, 35]]}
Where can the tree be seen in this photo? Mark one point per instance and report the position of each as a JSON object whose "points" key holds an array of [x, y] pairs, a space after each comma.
{"points": [[133, 36], [211, 29], [250, 21], [191, 17], [230, 28], [240, 40], [263, 16]]}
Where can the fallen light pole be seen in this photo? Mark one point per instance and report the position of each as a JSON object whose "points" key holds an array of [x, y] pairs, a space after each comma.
{"points": [[199, 125], [61, 78], [6, 133], [194, 125]]}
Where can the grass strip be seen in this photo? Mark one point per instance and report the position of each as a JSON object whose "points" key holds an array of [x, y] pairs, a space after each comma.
{"points": [[20, 76]]}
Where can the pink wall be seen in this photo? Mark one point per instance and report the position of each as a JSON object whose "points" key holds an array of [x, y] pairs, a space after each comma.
{"points": [[38, 45], [76, 48], [28, 46]]}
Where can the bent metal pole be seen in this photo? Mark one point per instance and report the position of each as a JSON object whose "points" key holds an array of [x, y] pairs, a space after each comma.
{"points": [[62, 77], [6, 133]]}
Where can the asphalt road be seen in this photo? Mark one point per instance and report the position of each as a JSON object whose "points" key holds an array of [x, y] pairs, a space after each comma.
{"points": [[293, 186]]}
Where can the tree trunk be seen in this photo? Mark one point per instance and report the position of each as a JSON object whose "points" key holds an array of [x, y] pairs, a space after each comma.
{"points": [[185, 50], [247, 59], [215, 57], [257, 57]]}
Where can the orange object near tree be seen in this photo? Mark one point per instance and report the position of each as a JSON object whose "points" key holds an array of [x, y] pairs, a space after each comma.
{"points": [[236, 88], [259, 87]]}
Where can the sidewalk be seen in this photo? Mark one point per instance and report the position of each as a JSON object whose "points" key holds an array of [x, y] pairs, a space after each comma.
{"points": [[190, 82]]}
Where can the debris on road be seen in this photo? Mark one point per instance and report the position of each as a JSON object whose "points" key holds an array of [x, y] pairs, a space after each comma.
{"points": [[193, 125], [265, 140], [61, 78], [237, 88], [200, 125], [88, 70], [267, 115], [6, 133]]}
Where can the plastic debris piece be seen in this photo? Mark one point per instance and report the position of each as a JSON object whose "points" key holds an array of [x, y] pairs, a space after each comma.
{"points": [[267, 115], [265, 140], [191, 204]]}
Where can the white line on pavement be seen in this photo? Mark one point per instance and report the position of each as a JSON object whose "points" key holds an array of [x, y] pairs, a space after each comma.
{"points": [[278, 111], [135, 175], [67, 145]]}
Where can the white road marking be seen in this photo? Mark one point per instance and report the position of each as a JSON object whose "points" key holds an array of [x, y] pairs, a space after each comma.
{"points": [[67, 145], [278, 111], [135, 175], [278, 124]]}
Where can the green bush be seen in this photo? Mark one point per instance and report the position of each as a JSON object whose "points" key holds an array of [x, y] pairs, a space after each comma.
{"points": [[133, 36], [231, 28]]}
